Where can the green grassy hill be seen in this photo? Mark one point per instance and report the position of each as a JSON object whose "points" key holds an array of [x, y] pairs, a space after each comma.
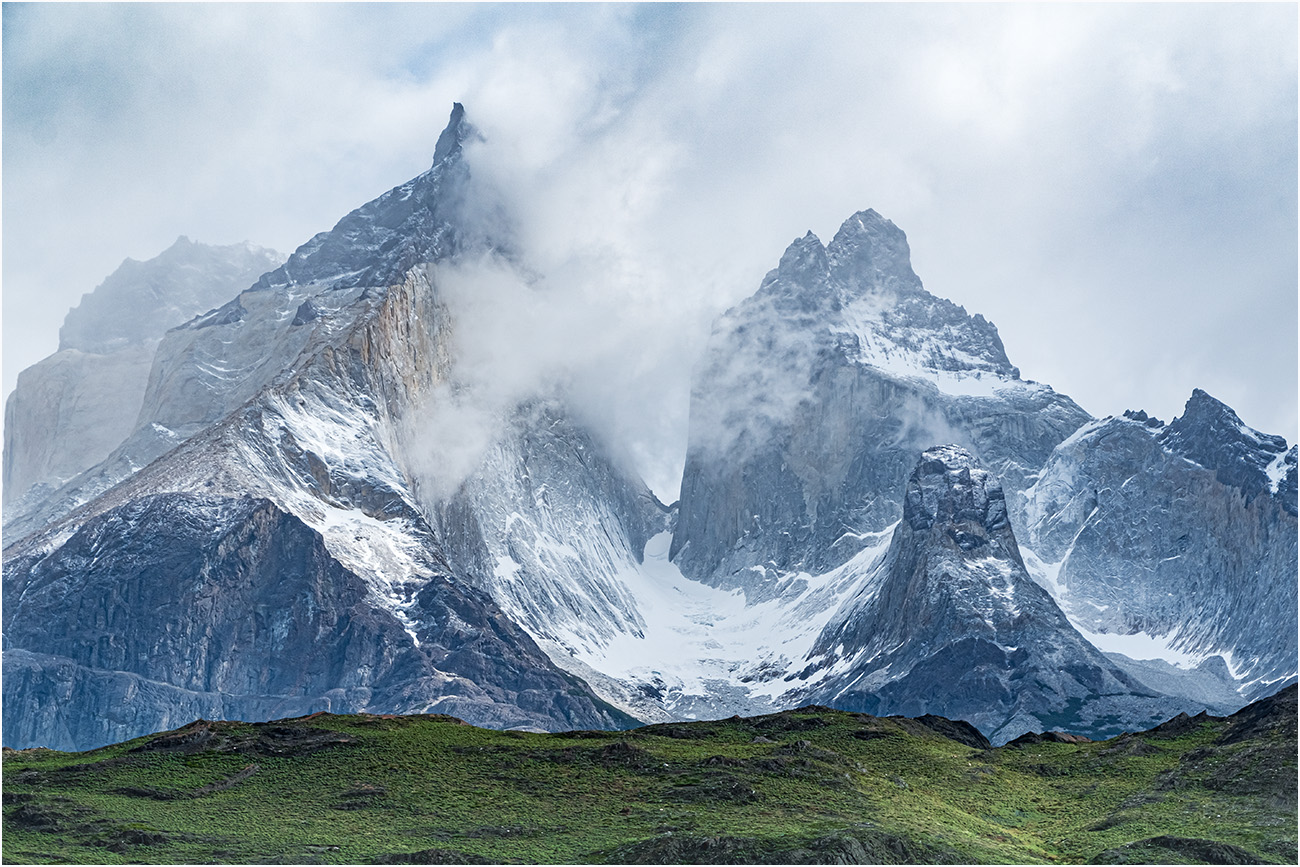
{"points": [[805, 786]]}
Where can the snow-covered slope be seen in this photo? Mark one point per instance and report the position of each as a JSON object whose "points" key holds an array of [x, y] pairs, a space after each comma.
{"points": [[546, 525]]}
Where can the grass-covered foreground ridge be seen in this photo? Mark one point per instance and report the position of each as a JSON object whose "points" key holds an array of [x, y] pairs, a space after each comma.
{"points": [[806, 786]]}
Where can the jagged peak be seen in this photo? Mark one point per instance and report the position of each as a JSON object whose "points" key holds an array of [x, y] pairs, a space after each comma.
{"points": [[1211, 434], [870, 253], [185, 247], [1205, 414], [1142, 418], [413, 223], [946, 458], [869, 221], [804, 261], [1203, 404], [949, 487], [454, 135]]}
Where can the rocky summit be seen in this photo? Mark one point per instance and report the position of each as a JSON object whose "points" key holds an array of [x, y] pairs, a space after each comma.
{"points": [[274, 537], [878, 512], [957, 628], [816, 396]]}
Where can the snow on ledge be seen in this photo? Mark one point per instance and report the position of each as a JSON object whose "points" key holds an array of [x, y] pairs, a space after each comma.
{"points": [[1143, 646]]}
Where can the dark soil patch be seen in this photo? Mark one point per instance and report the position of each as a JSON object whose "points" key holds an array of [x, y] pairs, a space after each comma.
{"points": [[432, 856], [725, 762], [874, 734], [624, 754], [1032, 738], [262, 739], [296, 741], [956, 730], [1157, 850], [713, 788], [123, 841], [618, 754], [788, 721], [40, 817], [847, 847], [1179, 726], [783, 765], [1128, 745], [583, 734], [360, 797]]}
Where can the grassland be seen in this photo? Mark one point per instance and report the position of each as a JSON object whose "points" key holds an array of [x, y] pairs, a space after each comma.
{"points": [[806, 786]]}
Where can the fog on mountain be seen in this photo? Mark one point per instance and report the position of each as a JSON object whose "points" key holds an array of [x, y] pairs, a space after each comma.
{"points": [[388, 473]]}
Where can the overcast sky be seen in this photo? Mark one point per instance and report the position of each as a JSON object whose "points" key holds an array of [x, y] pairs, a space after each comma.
{"points": [[1114, 186]]}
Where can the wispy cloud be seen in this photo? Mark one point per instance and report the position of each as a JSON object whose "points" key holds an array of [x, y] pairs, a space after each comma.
{"points": [[1114, 186]]}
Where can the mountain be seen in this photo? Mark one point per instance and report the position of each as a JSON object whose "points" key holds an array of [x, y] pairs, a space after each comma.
{"points": [[814, 393], [70, 410], [288, 404], [956, 627], [1178, 537], [817, 394], [877, 512]]}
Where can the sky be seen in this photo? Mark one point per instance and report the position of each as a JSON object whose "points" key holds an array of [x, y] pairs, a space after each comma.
{"points": [[1113, 185]]}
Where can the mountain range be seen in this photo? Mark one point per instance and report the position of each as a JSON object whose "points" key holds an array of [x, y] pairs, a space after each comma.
{"points": [[218, 504]]}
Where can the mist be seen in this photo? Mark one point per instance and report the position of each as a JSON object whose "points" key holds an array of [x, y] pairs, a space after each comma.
{"points": [[1113, 186]]}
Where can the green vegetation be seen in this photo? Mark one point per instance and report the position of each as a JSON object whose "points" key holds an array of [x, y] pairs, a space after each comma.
{"points": [[806, 786]]}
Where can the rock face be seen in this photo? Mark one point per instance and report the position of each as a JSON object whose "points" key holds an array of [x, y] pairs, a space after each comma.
{"points": [[174, 607], [1185, 533], [957, 628], [69, 411], [1210, 434], [316, 291], [304, 414], [816, 396], [548, 524]]}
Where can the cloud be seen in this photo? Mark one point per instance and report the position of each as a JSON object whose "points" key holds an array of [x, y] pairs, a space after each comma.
{"points": [[1114, 186]]}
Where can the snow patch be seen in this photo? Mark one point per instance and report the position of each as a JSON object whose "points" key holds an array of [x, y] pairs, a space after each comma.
{"points": [[1143, 646], [698, 640], [1137, 645], [1276, 471], [385, 554], [1045, 575]]}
